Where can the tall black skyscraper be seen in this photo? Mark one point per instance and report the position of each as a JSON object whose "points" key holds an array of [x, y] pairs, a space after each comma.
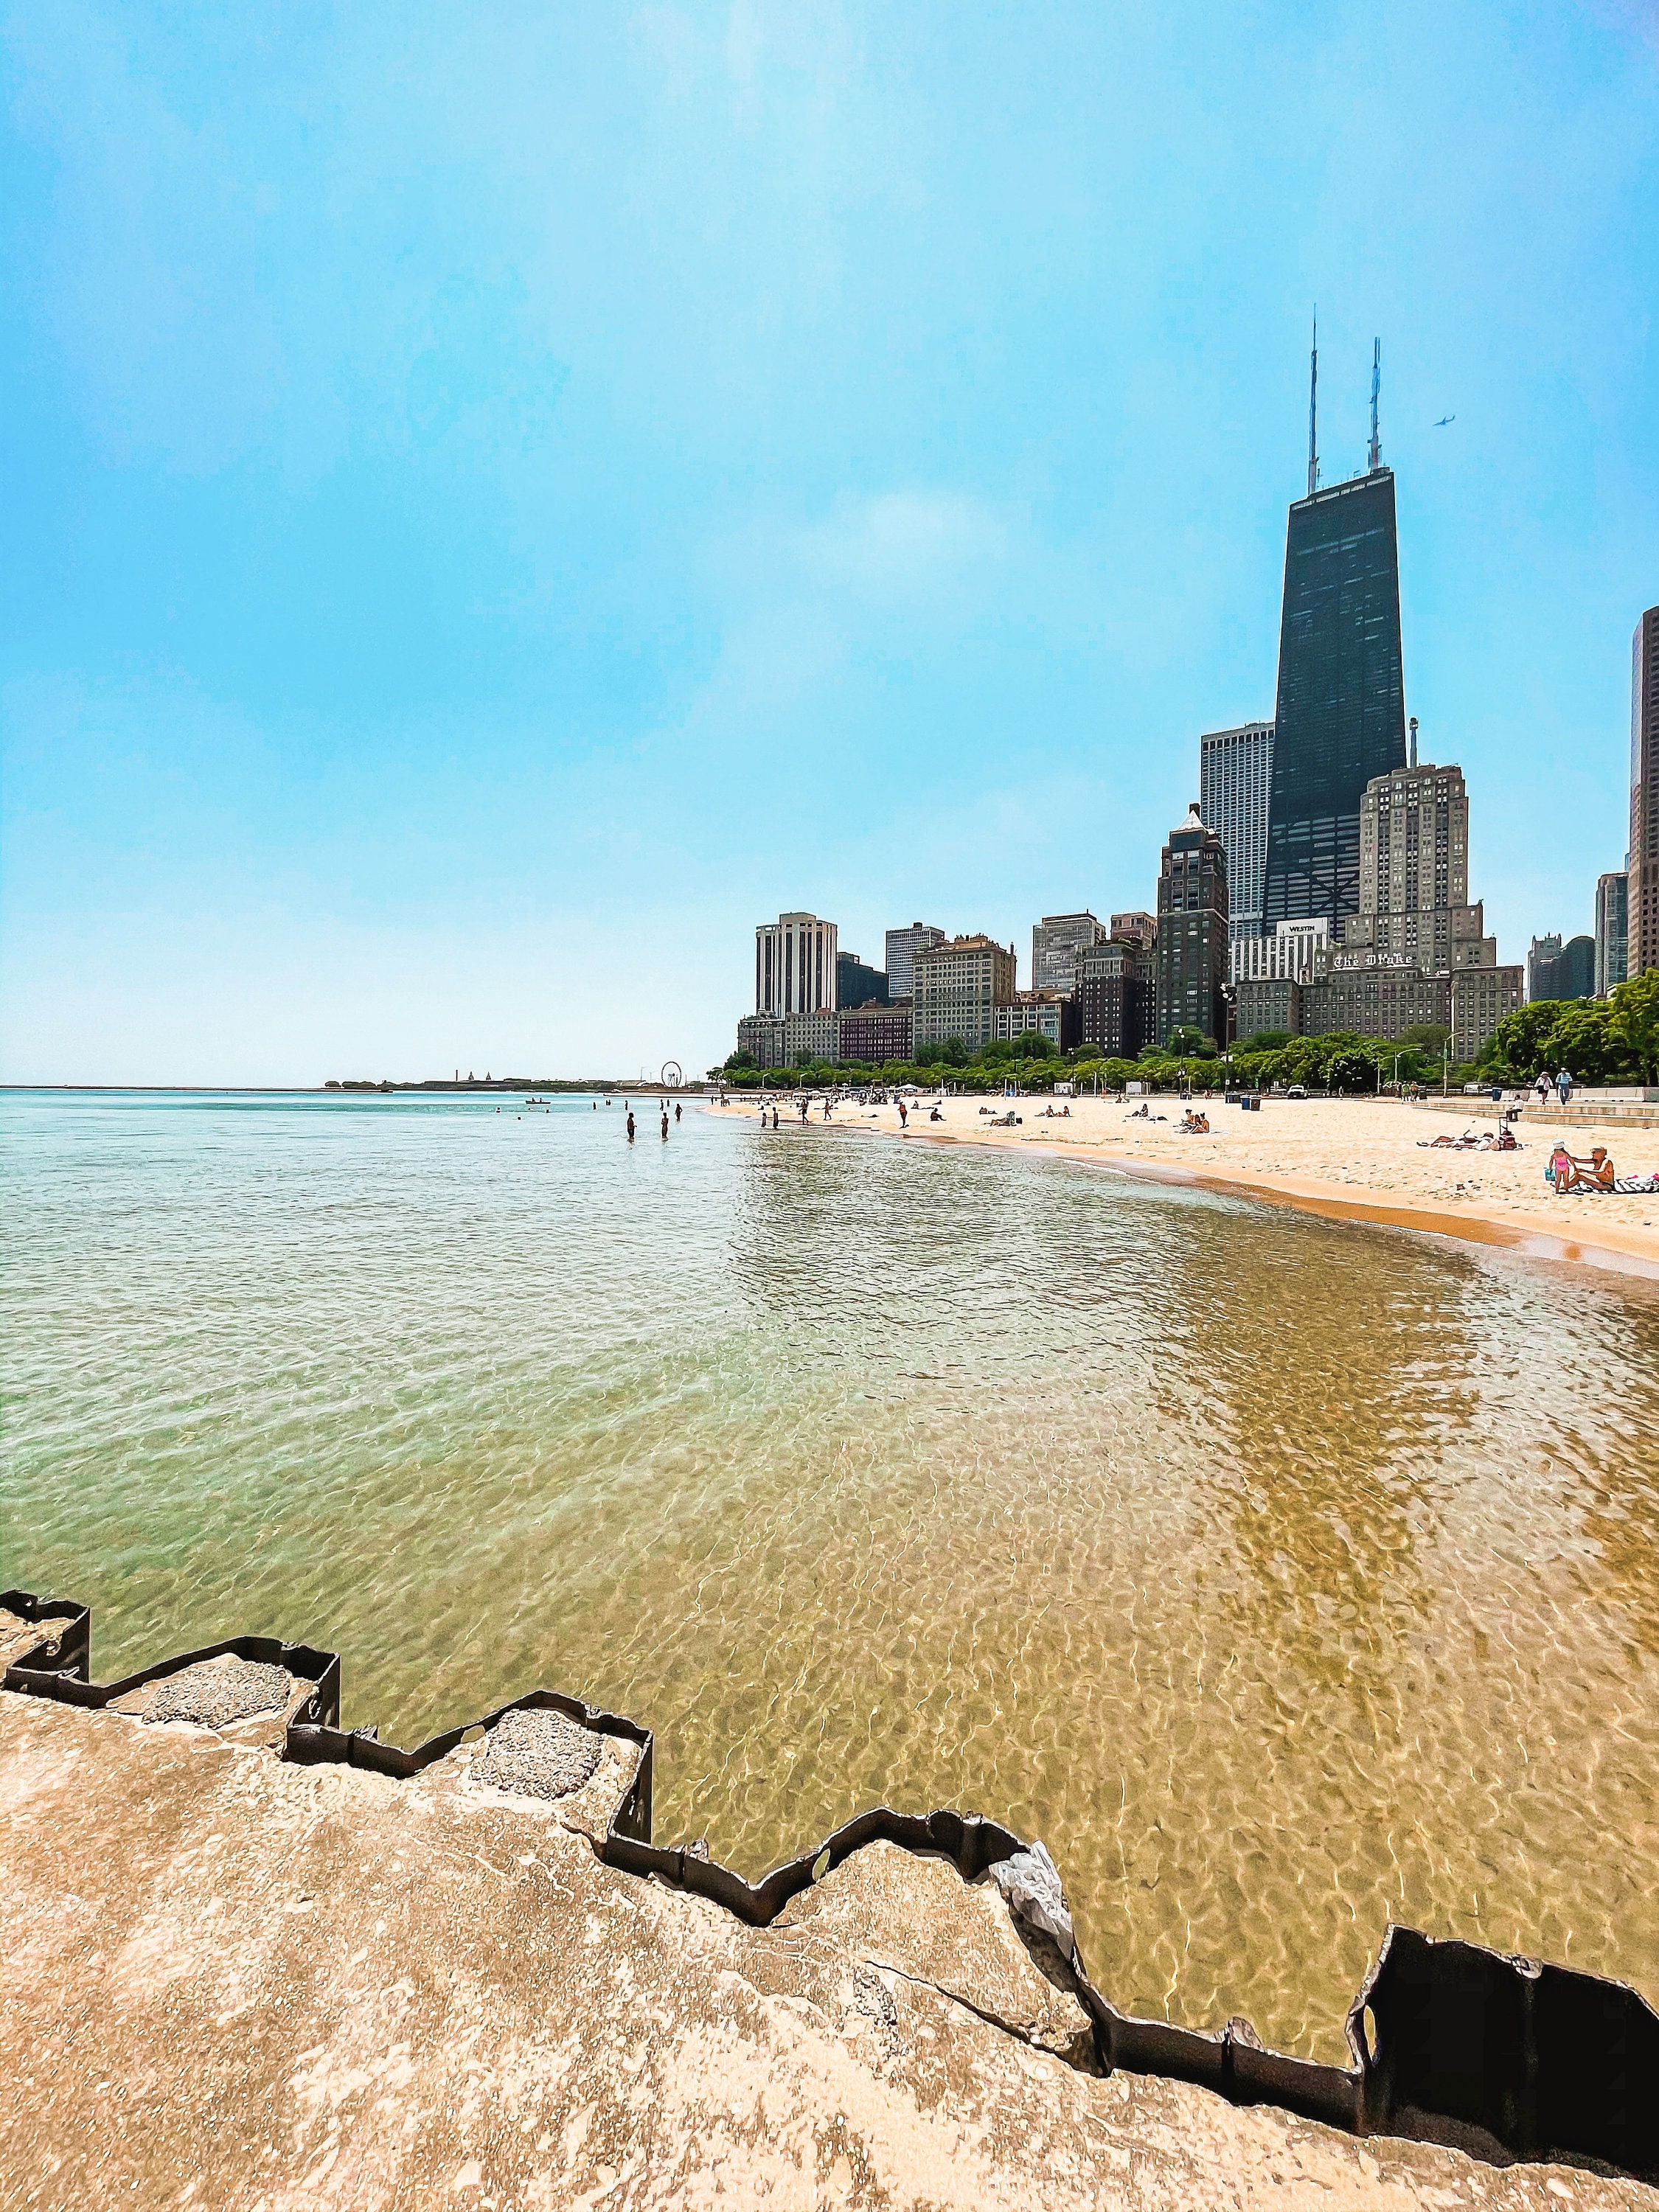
{"points": [[1341, 716]]}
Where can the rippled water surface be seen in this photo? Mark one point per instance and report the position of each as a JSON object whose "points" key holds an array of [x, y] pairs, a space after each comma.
{"points": [[1284, 1575]]}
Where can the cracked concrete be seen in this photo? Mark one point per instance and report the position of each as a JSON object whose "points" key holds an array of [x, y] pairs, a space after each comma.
{"points": [[231, 1981]]}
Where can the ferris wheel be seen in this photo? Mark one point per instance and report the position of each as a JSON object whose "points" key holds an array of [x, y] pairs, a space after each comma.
{"points": [[673, 1075]]}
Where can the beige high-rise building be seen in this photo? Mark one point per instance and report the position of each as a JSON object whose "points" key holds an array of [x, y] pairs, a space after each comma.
{"points": [[795, 965], [1415, 919], [958, 988], [1414, 872]]}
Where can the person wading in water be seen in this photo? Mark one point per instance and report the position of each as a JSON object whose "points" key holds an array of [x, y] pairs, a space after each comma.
{"points": [[630, 1125], [664, 1125]]}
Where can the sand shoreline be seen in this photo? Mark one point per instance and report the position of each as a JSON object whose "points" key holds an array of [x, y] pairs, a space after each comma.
{"points": [[1346, 1159]]}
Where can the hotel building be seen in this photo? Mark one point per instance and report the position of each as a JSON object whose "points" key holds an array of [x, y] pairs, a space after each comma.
{"points": [[1114, 998], [958, 988]]}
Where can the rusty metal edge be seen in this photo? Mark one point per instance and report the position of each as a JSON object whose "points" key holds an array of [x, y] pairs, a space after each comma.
{"points": [[74, 1651]]}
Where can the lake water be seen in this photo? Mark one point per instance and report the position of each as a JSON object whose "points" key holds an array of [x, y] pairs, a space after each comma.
{"points": [[1283, 1575]]}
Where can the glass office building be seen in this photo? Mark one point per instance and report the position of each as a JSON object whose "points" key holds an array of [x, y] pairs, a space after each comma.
{"points": [[1340, 715]]}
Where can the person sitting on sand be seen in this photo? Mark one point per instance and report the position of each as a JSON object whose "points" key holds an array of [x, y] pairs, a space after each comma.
{"points": [[1571, 1174], [936, 1116]]}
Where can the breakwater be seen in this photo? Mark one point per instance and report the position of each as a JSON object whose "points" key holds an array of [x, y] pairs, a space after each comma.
{"points": [[1288, 1576], [1508, 2058]]}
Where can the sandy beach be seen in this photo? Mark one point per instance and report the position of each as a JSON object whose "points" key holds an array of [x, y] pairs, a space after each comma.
{"points": [[1362, 1158]]}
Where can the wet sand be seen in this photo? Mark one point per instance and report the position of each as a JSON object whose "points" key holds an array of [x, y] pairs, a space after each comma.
{"points": [[1359, 1158]]}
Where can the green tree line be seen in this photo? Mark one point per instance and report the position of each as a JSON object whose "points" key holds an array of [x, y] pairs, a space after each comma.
{"points": [[1342, 1061], [1611, 1040]]}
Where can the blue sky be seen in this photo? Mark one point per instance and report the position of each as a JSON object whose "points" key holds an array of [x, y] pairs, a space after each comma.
{"points": [[500, 499]]}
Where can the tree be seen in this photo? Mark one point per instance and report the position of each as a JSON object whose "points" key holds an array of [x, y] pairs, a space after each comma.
{"points": [[1581, 1042], [741, 1058], [1265, 1041], [1351, 1072], [1186, 1041], [1634, 1022], [1520, 1046], [1427, 1037], [1033, 1044]]}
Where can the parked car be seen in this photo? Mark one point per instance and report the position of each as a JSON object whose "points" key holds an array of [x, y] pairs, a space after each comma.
{"points": [[1296, 1091]]}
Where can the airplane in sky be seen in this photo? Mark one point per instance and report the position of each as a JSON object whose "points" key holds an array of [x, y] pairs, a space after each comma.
{"points": [[1444, 419]]}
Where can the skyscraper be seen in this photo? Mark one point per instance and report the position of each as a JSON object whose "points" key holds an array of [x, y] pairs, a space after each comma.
{"points": [[1612, 929], [1643, 859], [795, 965], [1056, 941], [1235, 776], [900, 951], [1340, 718], [1555, 970], [1191, 933]]}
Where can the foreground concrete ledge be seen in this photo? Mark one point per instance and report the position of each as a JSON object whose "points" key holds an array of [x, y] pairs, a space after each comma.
{"points": [[232, 1981]]}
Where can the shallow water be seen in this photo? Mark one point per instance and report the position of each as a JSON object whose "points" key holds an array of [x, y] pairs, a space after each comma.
{"points": [[1283, 1575]]}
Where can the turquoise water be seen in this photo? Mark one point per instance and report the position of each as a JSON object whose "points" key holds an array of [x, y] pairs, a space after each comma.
{"points": [[1281, 1573]]}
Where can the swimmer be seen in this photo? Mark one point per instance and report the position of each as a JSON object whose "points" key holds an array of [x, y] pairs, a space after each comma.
{"points": [[630, 1126]]}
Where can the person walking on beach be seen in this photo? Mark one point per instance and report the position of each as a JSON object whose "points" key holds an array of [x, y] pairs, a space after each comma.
{"points": [[1564, 1086], [904, 1117], [1543, 1087], [630, 1125]]}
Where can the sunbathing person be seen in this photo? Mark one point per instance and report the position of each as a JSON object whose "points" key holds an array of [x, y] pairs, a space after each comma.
{"points": [[1573, 1173]]}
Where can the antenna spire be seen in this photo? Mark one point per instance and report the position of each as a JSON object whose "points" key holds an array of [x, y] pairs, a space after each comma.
{"points": [[1312, 412], [1375, 457]]}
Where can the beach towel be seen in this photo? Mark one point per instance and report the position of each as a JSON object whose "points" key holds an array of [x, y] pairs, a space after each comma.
{"points": [[1623, 1187]]}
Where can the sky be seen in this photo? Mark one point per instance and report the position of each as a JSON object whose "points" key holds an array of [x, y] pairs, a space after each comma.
{"points": [[501, 500]]}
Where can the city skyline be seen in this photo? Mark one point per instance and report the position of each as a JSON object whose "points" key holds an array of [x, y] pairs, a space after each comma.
{"points": [[619, 477]]}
